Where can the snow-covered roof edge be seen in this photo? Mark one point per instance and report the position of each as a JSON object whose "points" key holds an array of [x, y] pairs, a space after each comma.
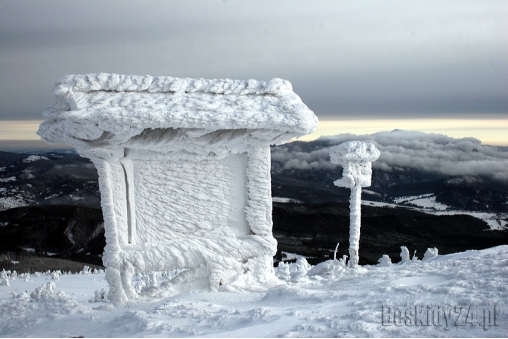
{"points": [[154, 84], [75, 117]]}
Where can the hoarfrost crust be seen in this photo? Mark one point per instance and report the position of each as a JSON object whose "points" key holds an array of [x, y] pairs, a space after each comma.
{"points": [[112, 107], [356, 158], [154, 84], [184, 171], [354, 151]]}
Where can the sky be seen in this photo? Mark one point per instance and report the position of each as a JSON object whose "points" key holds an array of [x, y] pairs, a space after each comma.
{"points": [[361, 66]]}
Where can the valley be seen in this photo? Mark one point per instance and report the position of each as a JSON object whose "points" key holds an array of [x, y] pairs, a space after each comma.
{"points": [[50, 207]]}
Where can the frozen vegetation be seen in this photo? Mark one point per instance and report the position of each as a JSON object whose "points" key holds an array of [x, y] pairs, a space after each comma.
{"points": [[456, 295]]}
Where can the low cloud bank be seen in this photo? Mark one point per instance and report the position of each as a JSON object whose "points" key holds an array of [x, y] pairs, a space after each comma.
{"points": [[405, 151]]}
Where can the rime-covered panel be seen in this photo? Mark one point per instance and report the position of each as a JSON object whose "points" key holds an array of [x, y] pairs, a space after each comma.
{"points": [[178, 199]]}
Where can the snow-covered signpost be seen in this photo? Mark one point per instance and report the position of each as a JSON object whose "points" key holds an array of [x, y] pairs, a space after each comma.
{"points": [[356, 158]]}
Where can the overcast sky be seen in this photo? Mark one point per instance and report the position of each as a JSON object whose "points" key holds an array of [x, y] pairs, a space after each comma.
{"points": [[383, 59]]}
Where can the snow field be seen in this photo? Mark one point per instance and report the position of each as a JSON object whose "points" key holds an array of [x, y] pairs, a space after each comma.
{"points": [[335, 302], [427, 204], [33, 158], [427, 201]]}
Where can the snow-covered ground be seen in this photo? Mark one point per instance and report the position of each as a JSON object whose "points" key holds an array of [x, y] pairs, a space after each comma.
{"points": [[284, 200], [427, 203], [464, 292], [424, 200], [495, 220], [12, 202], [33, 158]]}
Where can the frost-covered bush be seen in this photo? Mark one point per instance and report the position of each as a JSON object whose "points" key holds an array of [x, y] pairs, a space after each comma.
{"points": [[414, 258], [43, 291], [385, 260], [85, 270], [20, 296], [292, 271], [299, 268], [282, 271], [24, 276], [328, 268], [404, 255], [100, 296], [430, 253], [55, 275], [5, 278]]}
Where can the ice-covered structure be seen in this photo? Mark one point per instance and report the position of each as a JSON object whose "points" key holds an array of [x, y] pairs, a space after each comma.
{"points": [[356, 158], [184, 169]]}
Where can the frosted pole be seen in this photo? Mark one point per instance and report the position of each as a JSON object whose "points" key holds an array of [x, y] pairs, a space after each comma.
{"points": [[355, 205], [356, 158]]}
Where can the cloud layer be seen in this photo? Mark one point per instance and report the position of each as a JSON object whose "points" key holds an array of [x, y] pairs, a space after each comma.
{"points": [[408, 151], [393, 58]]}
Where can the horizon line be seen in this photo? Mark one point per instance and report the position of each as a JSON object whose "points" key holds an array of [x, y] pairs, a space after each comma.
{"points": [[489, 131]]}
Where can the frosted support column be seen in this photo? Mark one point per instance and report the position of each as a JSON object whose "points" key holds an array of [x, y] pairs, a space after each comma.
{"points": [[114, 202], [356, 158], [355, 208]]}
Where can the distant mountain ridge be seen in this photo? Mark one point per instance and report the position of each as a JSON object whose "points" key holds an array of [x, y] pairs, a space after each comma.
{"points": [[47, 178], [64, 178], [50, 202]]}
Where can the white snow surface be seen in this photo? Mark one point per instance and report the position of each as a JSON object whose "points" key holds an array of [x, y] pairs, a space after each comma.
{"points": [[12, 202], [337, 302], [494, 220], [285, 200], [424, 200]]}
